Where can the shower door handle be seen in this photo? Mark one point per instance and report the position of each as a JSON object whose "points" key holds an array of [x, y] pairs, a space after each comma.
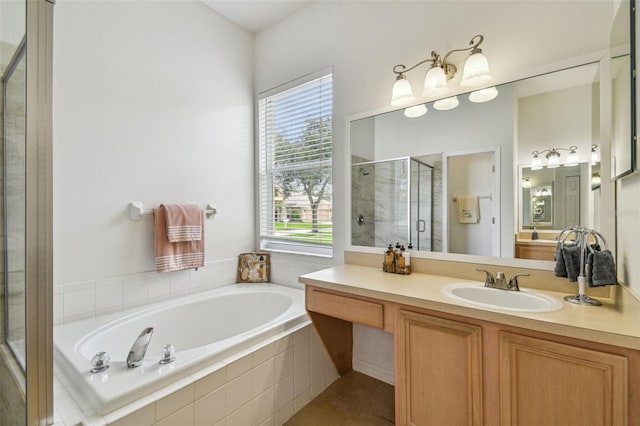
{"points": [[421, 225]]}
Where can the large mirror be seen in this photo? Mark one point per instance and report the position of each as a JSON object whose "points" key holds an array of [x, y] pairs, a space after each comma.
{"points": [[623, 126], [469, 198]]}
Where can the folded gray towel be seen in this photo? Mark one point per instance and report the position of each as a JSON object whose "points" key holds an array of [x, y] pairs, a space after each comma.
{"points": [[559, 270], [571, 255], [601, 269]]}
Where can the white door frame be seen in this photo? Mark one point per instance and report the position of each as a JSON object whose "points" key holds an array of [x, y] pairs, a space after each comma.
{"points": [[495, 197]]}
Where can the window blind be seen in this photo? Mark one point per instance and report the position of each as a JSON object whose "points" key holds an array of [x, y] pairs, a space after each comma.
{"points": [[294, 155]]}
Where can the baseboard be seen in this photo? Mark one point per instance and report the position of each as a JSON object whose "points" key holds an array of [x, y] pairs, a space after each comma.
{"points": [[382, 374]]}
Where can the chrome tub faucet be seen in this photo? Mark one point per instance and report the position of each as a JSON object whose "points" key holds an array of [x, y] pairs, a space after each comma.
{"points": [[139, 348]]}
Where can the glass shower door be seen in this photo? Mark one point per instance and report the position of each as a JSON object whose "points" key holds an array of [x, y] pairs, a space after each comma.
{"points": [[14, 168]]}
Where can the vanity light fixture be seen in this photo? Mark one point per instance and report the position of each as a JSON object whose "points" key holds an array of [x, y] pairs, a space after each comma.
{"points": [[553, 158], [526, 182], [595, 154], [475, 72], [596, 179]]}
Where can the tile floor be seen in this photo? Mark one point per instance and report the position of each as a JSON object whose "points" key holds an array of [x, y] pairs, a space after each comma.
{"points": [[354, 399]]}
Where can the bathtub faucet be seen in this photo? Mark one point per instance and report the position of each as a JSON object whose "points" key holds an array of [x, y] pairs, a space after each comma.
{"points": [[139, 348]]}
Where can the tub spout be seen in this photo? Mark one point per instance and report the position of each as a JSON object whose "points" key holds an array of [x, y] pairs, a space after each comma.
{"points": [[139, 348]]}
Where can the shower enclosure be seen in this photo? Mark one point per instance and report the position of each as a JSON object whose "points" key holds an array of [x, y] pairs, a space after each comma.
{"points": [[392, 201]]}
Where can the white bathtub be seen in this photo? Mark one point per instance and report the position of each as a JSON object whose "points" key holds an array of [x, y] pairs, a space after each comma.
{"points": [[205, 328]]}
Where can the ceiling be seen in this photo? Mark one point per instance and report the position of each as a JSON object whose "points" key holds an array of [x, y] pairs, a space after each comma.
{"points": [[255, 15]]}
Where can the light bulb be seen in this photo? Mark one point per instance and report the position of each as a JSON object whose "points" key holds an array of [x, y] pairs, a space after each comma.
{"points": [[415, 111], [595, 155], [476, 70], [572, 159], [446, 104], [401, 94], [536, 162], [435, 82], [553, 160], [483, 95]]}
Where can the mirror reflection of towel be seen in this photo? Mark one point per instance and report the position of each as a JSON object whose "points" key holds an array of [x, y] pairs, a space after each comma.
{"points": [[467, 208]]}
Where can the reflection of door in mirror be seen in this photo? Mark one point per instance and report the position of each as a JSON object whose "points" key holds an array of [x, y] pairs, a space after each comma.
{"points": [[471, 176]]}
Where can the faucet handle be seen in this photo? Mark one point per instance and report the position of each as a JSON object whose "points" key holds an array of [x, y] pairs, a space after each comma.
{"points": [[489, 280], [513, 281]]}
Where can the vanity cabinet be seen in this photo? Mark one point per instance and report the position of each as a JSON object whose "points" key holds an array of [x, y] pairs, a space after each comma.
{"points": [[459, 370], [438, 371], [544, 383]]}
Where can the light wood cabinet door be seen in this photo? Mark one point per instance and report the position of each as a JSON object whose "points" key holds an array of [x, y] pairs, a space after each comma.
{"points": [[548, 383], [438, 371]]}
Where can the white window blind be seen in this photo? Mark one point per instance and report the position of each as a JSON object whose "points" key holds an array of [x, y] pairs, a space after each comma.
{"points": [[295, 147]]}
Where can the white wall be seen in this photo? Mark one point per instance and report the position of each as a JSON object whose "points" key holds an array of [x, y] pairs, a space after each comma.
{"points": [[364, 40], [153, 102], [557, 119]]}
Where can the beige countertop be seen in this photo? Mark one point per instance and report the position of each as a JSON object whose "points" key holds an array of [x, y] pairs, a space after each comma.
{"points": [[617, 322], [538, 241]]}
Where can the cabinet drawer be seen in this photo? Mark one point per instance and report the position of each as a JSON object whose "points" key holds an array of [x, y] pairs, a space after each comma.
{"points": [[346, 308]]}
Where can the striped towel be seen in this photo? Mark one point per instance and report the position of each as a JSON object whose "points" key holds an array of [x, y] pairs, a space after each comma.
{"points": [[184, 222], [175, 256]]}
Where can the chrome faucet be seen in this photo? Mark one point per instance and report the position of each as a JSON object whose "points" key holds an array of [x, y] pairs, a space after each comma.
{"points": [[500, 280], [139, 348]]}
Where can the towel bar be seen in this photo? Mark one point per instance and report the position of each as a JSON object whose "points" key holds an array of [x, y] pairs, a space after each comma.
{"points": [[136, 210], [490, 197]]}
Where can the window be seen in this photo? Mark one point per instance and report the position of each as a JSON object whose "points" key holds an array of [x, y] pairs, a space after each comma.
{"points": [[294, 156]]}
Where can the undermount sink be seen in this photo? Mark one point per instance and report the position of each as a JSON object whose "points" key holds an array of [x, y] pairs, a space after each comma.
{"points": [[486, 297]]}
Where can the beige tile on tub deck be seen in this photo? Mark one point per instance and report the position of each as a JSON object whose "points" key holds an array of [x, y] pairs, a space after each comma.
{"points": [[263, 377], [284, 392], [239, 366], [141, 417], [174, 401], [284, 364], [210, 382], [241, 416], [182, 417], [264, 406], [238, 392], [211, 408]]}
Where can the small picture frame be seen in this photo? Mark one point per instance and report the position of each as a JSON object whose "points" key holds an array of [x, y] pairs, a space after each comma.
{"points": [[253, 268]]}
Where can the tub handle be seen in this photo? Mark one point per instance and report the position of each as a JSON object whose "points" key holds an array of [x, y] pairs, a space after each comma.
{"points": [[167, 354], [100, 362]]}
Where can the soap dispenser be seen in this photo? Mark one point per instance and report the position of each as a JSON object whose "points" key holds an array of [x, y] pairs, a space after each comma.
{"points": [[389, 260]]}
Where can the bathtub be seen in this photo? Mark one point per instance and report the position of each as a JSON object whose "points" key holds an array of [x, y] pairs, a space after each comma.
{"points": [[206, 328]]}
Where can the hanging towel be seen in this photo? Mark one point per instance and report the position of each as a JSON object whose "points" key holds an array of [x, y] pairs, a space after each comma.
{"points": [[560, 270], [175, 256], [468, 211], [601, 269], [184, 222], [571, 256]]}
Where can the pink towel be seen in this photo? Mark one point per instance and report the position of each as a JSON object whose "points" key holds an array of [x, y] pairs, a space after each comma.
{"points": [[175, 256], [184, 222]]}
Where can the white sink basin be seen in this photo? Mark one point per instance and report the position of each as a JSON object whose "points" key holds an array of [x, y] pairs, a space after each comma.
{"points": [[518, 301]]}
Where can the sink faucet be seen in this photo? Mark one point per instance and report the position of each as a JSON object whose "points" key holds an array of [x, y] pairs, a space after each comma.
{"points": [[139, 348], [500, 280]]}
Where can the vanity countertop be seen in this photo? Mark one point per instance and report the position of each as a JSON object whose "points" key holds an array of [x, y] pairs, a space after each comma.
{"points": [[538, 241], [617, 322]]}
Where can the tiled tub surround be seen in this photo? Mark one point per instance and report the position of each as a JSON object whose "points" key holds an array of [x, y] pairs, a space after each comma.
{"points": [[75, 301], [264, 384], [204, 328]]}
